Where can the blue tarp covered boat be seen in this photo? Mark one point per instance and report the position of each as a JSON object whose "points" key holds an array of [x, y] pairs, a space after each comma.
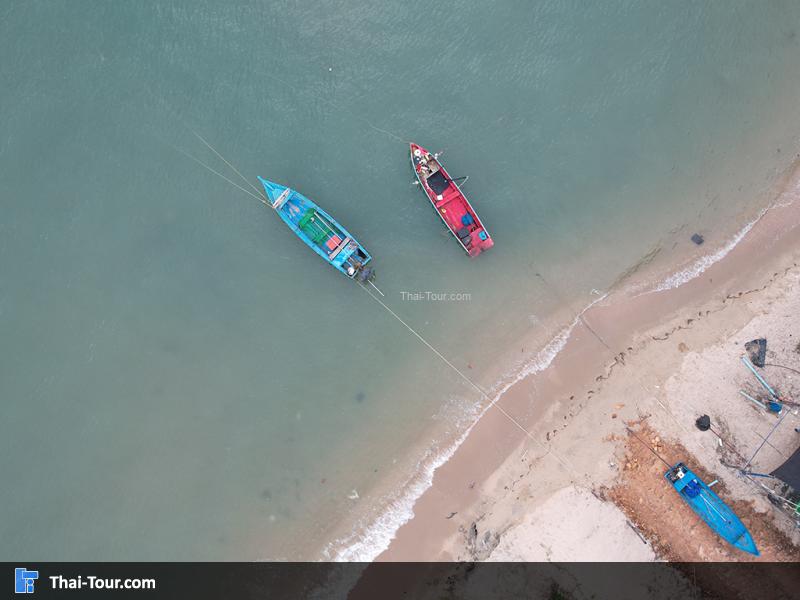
{"points": [[320, 231], [710, 508]]}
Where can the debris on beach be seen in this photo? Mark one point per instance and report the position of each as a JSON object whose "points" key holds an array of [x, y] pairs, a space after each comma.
{"points": [[480, 548], [755, 401], [703, 423], [697, 238], [757, 351], [773, 394]]}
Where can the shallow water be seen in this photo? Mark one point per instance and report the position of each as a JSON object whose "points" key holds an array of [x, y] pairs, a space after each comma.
{"points": [[182, 378]]}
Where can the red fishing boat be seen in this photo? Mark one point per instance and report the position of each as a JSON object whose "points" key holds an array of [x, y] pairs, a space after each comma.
{"points": [[450, 202]]}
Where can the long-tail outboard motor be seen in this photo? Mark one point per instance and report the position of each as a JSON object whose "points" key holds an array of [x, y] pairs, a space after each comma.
{"points": [[365, 274]]}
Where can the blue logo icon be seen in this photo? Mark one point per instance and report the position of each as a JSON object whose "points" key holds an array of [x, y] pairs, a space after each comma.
{"points": [[24, 580]]}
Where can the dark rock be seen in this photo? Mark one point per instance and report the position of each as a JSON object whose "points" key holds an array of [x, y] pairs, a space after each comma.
{"points": [[697, 239], [757, 351], [703, 423], [360, 397]]}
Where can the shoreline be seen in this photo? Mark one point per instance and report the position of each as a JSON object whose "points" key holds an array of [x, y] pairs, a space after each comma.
{"points": [[390, 537]]}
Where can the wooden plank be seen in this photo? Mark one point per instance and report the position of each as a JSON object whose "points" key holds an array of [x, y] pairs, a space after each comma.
{"points": [[278, 204], [339, 248]]}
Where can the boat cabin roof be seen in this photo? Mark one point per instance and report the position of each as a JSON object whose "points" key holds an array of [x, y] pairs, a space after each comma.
{"points": [[438, 182]]}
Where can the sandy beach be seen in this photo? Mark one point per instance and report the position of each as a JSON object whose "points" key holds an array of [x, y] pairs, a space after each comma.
{"points": [[555, 476]]}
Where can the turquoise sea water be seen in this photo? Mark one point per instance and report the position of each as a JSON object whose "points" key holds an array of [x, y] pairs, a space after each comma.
{"points": [[182, 379]]}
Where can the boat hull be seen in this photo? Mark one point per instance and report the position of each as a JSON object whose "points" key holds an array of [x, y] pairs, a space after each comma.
{"points": [[319, 231], [449, 202], [710, 507]]}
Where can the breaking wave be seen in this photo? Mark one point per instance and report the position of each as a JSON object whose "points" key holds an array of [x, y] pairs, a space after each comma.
{"points": [[699, 266], [370, 539]]}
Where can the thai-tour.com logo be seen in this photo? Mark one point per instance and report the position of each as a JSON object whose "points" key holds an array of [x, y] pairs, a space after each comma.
{"points": [[24, 580]]}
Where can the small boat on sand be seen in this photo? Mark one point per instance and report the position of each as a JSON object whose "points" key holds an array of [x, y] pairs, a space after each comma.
{"points": [[320, 231], [710, 508], [450, 202]]}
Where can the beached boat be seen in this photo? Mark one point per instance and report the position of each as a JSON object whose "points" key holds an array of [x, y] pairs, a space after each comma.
{"points": [[320, 231], [450, 202], [710, 508]]}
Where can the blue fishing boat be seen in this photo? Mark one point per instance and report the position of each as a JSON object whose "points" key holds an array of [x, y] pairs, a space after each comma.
{"points": [[320, 231], [710, 508]]}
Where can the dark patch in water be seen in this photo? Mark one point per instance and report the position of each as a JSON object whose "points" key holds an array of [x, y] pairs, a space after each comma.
{"points": [[170, 346], [360, 397], [266, 494]]}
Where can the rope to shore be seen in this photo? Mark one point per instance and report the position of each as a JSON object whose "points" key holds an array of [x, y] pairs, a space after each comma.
{"points": [[235, 170], [493, 403], [217, 173]]}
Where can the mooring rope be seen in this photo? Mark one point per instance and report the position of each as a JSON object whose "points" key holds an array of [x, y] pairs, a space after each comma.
{"points": [[233, 183], [235, 170], [493, 403], [649, 447]]}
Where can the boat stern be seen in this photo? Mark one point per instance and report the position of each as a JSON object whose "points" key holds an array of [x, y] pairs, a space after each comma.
{"points": [[352, 260], [482, 241]]}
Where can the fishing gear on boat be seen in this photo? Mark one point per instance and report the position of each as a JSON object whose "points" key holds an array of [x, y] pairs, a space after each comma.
{"points": [[455, 181]]}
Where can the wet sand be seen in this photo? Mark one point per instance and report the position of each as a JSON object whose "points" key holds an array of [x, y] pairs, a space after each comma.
{"points": [[617, 365]]}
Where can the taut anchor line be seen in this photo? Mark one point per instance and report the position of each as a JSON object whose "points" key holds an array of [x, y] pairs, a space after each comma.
{"points": [[218, 174], [492, 403], [369, 281], [235, 170]]}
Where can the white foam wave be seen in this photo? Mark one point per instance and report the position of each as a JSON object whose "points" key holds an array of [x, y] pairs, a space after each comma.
{"points": [[702, 264], [698, 267], [368, 540]]}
